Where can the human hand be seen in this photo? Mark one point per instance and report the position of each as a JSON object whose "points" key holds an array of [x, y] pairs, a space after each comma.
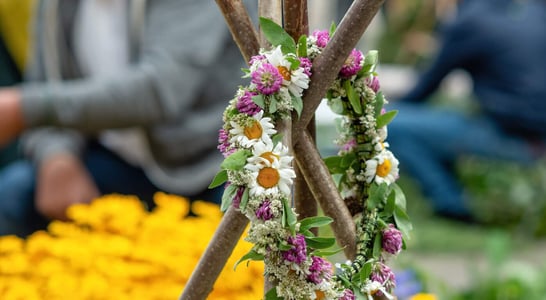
{"points": [[11, 116], [62, 181]]}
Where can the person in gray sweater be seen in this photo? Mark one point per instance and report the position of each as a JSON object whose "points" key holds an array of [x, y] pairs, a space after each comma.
{"points": [[120, 97]]}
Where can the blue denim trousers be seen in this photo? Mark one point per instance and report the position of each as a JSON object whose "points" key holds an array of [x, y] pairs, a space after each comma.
{"points": [[111, 174], [428, 141]]}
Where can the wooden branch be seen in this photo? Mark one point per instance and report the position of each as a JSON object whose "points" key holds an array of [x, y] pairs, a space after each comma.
{"points": [[296, 22], [327, 65], [216, 255], [325, 191], [240, 25]]}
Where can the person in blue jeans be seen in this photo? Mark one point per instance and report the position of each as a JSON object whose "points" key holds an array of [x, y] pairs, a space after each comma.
{"points": [[501, 44]]}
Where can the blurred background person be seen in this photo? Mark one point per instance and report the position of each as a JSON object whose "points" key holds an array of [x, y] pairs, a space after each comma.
{"points": [[501, 45], [120, 97], [14, 15]]}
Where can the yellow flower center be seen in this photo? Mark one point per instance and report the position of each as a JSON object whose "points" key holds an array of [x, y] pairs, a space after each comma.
{"points": [[268, 177], [285, 73], [270, 156], [383, 169], [320, 294], [254, 131]]}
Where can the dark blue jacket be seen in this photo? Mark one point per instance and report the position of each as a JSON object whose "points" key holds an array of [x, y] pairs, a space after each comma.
{"points": [[502, 45]]}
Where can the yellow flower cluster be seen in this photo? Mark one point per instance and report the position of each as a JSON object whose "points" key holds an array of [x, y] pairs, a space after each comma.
{"points": [[115, 249]]}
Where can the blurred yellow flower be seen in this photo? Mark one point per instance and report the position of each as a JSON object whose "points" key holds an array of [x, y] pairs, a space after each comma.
{"points": [[114, 249], [423, 296]]}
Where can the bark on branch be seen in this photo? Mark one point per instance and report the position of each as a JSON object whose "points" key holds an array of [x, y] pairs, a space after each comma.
{"points": [[240, 25], [325, 191], [327, 65], [216, 255]]}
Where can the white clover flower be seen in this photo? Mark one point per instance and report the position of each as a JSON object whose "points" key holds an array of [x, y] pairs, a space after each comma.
{"points": [[382, 168], [255, 129]]}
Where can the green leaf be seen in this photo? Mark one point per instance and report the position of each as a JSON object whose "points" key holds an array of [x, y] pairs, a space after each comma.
{"points": [[379, 102], [400, 198], [359, 296], [312, 222], [302, 46], [244, 199], [283, 246], [354, 99], [277, 36], [386, 118], [297, 103], [259, 100], [377, 245], [272, 105], [347, 160], [294, 62], [371, 59], [227, 197], [332, 29], [320, 242], [377, 195], [288, 217], [336, 105], [365, 271], [389, 207], [251, 255], [403, 222], [236, 161], [276, 138], [333, 163], [219, 179], [272, 294], [325, 253]]}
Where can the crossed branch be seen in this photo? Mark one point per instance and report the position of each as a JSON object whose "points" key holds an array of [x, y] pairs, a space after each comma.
{"points": [[318, 185]]}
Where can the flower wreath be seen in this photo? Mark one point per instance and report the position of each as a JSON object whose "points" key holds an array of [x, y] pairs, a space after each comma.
{"points": [[258, 173]]}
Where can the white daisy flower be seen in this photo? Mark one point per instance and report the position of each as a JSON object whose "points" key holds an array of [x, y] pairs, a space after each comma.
{"points": [[272, 175], [263, 152], [295, 80], [373, 287], [254, 129], [382, 168]]}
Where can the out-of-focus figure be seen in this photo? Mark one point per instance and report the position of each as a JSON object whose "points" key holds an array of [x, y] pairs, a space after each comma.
{"points": [[501, 45], [120, 97]]}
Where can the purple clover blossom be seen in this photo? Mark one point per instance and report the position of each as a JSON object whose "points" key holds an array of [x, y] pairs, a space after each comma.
{"points": [[352, 65], [392, 240], [349, 146], [298, 253], [348, 295], [319, 270], [323, 37], [223, 143], [236, 202], [384, 275], [267, 79], [245, 105], [306, 64], [264, 212], [256, 59], [373, 83]]}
